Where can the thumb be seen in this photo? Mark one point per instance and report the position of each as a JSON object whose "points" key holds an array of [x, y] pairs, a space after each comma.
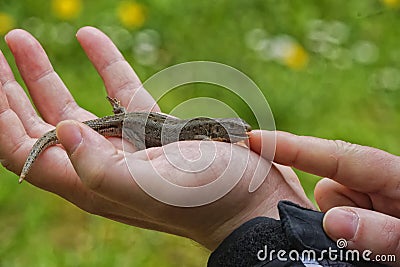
{"points": [[365, 230], [93, 157]]}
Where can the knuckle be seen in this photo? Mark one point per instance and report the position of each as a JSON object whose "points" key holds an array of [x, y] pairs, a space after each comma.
{"points": [[69, 107], [108, 66], [43, 75], [344, 148], [128, 86]]}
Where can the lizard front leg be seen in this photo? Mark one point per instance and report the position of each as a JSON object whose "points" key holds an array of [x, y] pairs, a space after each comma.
{"points": [[116, 104]]}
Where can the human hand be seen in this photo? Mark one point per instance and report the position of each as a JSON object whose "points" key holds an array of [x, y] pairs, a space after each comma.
{"points": [[98, 180], [361, 194]]}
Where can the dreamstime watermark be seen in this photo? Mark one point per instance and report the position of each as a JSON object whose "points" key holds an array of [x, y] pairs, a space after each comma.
{"points": [[334, 254], [199, 173]]}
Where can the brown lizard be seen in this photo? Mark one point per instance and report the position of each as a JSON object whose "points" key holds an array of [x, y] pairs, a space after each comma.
{"points": [[150, 129]]}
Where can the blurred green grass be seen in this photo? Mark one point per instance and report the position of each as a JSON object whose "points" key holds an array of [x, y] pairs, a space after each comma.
{"points": [[341, 90]]}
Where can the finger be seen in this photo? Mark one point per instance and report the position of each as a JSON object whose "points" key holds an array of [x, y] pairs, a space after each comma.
{"points": [[349, 164], [14, 142], [364, 230], [119, 78], [50, 95], [329, 194], [19, 102]]}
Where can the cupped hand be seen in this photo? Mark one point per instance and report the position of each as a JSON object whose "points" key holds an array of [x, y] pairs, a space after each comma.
{"points": [[361, 193], [94, 174]]}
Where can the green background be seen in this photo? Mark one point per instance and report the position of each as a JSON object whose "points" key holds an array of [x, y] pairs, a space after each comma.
{"points": [[348, 90]]}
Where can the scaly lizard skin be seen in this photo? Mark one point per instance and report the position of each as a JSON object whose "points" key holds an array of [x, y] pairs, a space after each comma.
{"points": [[150, 129]]}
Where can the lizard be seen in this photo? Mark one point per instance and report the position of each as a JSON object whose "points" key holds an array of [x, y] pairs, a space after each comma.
{"points": [[150, 129]]}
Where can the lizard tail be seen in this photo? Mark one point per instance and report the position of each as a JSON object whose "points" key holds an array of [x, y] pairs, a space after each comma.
{"points": [[41, 144]]}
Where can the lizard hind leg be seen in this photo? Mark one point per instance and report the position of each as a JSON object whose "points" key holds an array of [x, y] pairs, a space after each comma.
{"points": [[116, 104]]}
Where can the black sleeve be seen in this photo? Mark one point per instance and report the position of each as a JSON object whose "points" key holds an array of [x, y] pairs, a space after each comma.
{"points": [[297, 239]]}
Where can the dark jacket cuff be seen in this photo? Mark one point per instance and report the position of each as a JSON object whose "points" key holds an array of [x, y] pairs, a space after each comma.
{"points": [[257, 242]]}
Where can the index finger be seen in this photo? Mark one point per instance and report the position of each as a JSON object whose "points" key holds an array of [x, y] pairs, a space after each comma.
{"points": [[119, 78], [362, 168]]}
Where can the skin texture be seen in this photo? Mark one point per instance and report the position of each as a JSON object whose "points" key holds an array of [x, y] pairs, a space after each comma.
{"points": [[109, 191], [361, 193]]}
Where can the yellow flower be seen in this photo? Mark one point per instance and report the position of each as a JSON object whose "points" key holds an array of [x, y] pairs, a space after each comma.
{"points": [[6, 23], [67, 9], [131, 15], [391, 3], [296, 57]]}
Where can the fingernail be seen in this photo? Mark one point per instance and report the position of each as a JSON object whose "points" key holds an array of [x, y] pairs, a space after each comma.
{"points": [[7, 41], [69, 134], [341, 223], [263, 142], [6, 36]]}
